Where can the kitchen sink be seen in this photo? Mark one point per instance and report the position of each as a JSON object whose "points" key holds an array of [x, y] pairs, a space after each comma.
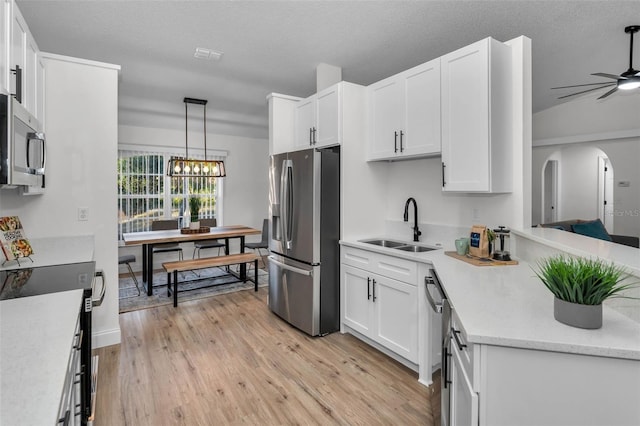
{"points": [[399, 245], [384, 243], [415, 249]]}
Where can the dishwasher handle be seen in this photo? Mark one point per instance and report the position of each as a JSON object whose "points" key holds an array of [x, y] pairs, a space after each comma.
{"points": [[434, 281]]}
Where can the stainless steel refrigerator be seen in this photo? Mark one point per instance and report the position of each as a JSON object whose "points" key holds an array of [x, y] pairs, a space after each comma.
{"points": [[304, 228]]}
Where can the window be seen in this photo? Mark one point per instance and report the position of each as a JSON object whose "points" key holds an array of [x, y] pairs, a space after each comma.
{"points": [[145, 193]]}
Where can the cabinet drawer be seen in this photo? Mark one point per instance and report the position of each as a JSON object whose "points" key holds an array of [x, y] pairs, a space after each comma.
{"points": [[388, 266], [460, 344]]}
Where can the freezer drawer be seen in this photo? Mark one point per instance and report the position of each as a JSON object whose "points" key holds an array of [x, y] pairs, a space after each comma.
{"points": [[294, 293]]}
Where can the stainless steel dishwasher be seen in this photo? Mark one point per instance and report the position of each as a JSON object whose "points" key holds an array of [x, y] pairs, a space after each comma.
{"points": [[437, 298]]}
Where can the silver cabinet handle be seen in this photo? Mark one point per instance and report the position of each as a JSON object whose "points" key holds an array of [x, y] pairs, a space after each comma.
{"points": [[401, 134]]}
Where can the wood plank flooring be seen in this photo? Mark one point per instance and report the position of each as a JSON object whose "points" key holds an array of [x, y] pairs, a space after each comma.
{"points": [[229, 360]]}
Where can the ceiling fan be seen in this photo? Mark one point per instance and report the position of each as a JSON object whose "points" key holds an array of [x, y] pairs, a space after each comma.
{"points": [[630, 79]]}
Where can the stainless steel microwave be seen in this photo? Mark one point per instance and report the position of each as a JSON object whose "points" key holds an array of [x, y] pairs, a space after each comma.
{"points": [[22, 146]]}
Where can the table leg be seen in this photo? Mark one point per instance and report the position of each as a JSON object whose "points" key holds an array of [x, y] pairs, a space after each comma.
{"points": [[149, 269], [243, 266], [255, 277], [144, 263], [175, 289]]}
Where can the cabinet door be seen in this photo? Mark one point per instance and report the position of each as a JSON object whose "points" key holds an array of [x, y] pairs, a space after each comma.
{"points": [[4, 46], [328, 117], [30, 75], [465, 118], [18, 50], [464, 401], [422, 105], [386, 118], [40, 79], [305, 122], [356, 298], [396, 313]]}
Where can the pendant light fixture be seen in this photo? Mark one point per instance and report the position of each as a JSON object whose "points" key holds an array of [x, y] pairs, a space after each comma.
{"points": [[188, 167]]}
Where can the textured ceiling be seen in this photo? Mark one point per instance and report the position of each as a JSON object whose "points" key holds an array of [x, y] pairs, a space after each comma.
{"points": [[274, 46]]}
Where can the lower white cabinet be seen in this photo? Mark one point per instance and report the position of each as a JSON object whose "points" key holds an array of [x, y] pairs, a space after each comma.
{"points": [[381, 308], [70, 412]]}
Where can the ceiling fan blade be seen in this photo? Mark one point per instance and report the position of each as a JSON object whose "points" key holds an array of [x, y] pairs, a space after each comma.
{"points": [[585, 91], [580, 85], [610, 92], [601, 74]]}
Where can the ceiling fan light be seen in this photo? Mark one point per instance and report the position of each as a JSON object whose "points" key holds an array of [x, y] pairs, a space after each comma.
{"points": [[632, 83]]}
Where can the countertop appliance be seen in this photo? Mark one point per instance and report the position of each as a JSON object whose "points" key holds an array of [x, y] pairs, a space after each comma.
{"points": [[26, 282], [22, 146], [437, 299], [304, 229]]}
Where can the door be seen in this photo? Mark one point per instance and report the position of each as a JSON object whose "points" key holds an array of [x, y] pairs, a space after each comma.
{"points": [[465, 118], [356, 299], [396, 308], [422, 105], [276, 231], [305, 122], [303, 198], [463, 400], [294, 293], [550, 201], [328, 117], [386, 120]]}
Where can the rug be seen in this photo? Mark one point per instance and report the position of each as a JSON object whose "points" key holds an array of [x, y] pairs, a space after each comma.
{"points": [[202, 283]]}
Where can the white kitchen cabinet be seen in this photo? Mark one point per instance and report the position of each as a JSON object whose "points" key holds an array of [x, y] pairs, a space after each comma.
{"points": [[282, 109], [19, 50], [319, 119], [404, 114], [476, 118], [381, 308]]}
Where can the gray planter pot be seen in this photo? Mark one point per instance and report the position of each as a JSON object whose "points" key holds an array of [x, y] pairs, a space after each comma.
{"points": [[576, 315]]}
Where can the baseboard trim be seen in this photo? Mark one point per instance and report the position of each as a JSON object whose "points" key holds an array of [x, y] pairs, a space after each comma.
{"points": [[106, 338]]}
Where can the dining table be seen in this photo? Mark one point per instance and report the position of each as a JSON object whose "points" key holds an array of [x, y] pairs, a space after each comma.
{"points": [[148, 239]]}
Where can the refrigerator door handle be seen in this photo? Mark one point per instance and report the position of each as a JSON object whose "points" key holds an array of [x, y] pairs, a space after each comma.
{"points": [[286, 199], [289, 267]]}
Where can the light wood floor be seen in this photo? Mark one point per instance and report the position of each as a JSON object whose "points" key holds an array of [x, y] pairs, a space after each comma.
{"points": [[229, 360]]}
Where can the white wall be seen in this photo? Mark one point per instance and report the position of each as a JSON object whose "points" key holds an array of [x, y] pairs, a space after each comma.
{"points": [[246, 186], [81, 110], [612, 125]]}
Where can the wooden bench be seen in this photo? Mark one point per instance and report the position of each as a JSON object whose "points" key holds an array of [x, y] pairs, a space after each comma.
{"points": [[207, 262]]}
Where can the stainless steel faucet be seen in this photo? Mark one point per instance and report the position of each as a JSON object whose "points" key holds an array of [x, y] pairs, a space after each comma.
{"points": [[416, 230]]}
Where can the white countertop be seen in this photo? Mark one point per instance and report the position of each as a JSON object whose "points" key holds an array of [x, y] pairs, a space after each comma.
{"points": [[510, 306], [56, 251], [36, 336]]}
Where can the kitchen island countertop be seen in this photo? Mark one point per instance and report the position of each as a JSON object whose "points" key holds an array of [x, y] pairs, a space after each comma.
{"points": [[510, 306], [49, 251]]}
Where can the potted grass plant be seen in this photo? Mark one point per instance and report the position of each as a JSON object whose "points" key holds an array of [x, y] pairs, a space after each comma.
{"points": [[194, 209], [580, 286]]}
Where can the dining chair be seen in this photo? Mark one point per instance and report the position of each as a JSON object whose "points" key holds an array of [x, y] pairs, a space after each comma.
{"points": [[164, 225], [263, 243], [207, 244], [126, 260]]}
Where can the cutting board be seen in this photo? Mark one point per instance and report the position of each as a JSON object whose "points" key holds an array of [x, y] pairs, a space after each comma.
{"points": [[480, 261]]}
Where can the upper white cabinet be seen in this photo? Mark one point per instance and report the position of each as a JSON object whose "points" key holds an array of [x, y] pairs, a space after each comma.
{"points": [[404, 114], [476, 118], [404, 117], [282, 110], [319, 119], [20, 69]]}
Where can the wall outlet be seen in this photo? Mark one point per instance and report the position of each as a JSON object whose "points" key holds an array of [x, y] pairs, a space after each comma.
{"points": [[475, 215], [83, 214]]}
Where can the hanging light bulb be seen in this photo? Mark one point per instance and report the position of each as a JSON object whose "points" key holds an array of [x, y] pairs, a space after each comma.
{"points": [[205, 169], [196, 169]]}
